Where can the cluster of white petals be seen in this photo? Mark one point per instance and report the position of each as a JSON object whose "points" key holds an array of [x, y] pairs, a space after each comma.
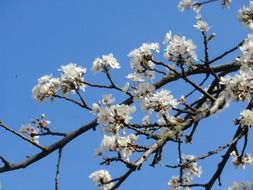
{"points": [[120, 144], [72, 77], [188, 4], [31, 130], [189, 171], [242, 161], [238, 87], [161, 102], [113, 117], [246, 118], [143, 89], [141, 62], [45, 87], [201, 24], [105, 63], [241, 186], [245, 15], [101, 178], [246, 48], [179, 49]]}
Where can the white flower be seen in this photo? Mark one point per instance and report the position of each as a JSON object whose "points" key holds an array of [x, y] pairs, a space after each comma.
{"points": [[72, 77], [108, 143], [119, 144], [141, 61], [239, 87], [135, 77], [32, 129], [241, 186], [247, 117], [188, 4], [246, 159], [143, 89], [46, 87], [108, 99], [174, 183], [160, 102], [106, 62], [101, 178], [113, 117], [184, 4], [201, 24], [245, 15], [31, 132], [246, 51], [164, 98], [179, 49], [192, 169]]}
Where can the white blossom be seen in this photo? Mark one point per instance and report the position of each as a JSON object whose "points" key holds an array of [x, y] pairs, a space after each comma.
{"points": [[106, 62], [239, 87], [242, 161], [31, 132], [241, 186], [72, 77], [160, 102], [113, 117], [137, 77], [245, 15], [188, 4], [108, 99], [201, 24], [174, 183], [36, 126], [141, 61], [191, 169], [101, 178], [246, 118], [246, 48], [179, 49], [143, 89], [120, 144], [45, 87]]}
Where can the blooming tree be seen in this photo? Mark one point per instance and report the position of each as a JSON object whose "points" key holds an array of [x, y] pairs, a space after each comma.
{"points": [[166, 119]]}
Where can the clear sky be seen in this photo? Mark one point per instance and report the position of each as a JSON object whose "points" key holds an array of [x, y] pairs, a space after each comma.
{"points": [[37, 37]]}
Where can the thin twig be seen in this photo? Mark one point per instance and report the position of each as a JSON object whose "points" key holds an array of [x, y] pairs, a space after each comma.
{"points": [[58, 169], [22, 136]]}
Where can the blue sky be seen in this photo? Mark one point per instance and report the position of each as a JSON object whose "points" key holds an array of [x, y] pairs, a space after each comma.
{"points": [[37, 37]]}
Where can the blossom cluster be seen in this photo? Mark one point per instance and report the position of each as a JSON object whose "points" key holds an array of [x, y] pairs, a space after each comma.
{"points": [[32, 129], [196, 6], [242, 161], [245, 15], [72, 79], [241, 186], [201, 24], [189, 171], [105, 63], [179, 49], [188, 4], [246, 48], [113, 117], [119, 144], [141, 62], [101, 178], [238, 87], [246, 118]]}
